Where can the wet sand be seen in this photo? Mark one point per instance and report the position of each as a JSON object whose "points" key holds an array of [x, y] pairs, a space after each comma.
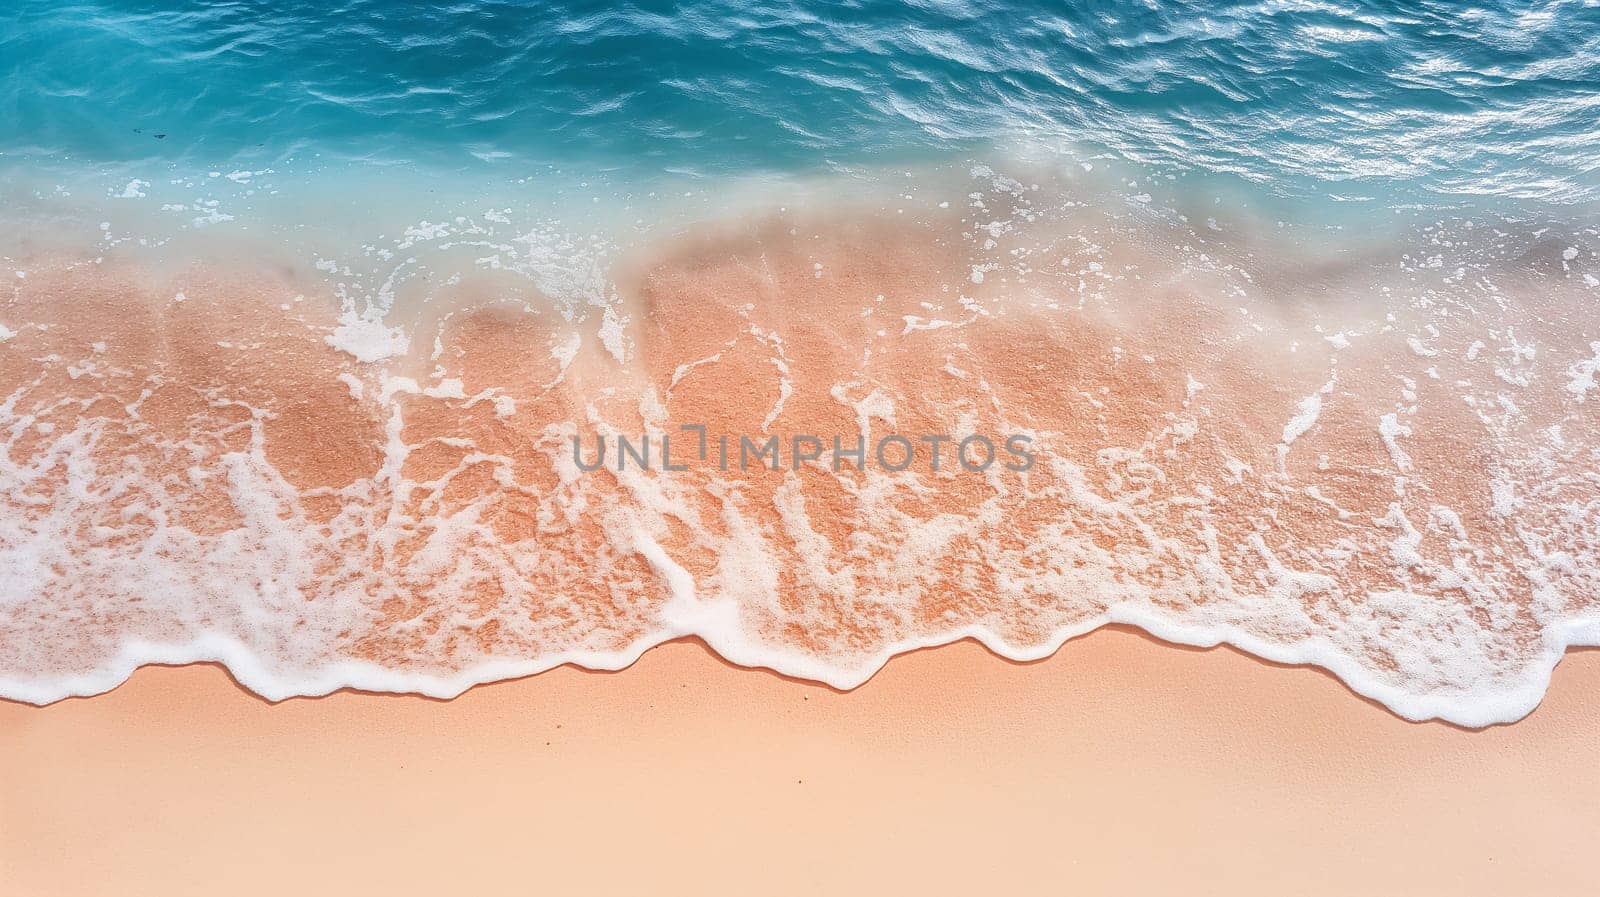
{"points": [[1381, 469], [1120, 762]]}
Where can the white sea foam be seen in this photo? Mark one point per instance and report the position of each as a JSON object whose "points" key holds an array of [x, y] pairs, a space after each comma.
{"points": [[1583, 372], [1306, 416], [367, 338]]}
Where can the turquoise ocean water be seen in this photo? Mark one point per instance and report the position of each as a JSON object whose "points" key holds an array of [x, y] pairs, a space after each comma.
{"points": [[1435, 101]]}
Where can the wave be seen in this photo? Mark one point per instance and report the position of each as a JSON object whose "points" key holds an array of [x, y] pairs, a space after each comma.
{"points": [[1369, 451]]}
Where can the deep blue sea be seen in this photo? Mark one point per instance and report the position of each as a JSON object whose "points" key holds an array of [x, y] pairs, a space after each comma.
{"points": [[1431, 100]]}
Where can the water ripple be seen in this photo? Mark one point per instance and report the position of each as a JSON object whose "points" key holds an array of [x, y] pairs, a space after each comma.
{"points": [[1498, 98]]}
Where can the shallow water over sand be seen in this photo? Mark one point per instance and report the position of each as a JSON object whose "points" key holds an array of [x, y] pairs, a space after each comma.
{"points": [[1371, 452]]}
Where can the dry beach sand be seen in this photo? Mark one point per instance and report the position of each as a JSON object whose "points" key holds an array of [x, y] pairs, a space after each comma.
{"points": [[1120, 763]]}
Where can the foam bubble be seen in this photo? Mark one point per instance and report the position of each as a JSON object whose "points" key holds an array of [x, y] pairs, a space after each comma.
{"points": [[367, 338]]}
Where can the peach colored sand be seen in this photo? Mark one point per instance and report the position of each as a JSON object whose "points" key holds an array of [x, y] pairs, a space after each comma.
{"points": [[1120, 763]]}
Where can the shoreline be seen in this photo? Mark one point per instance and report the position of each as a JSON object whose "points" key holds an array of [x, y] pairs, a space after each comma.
{"points": [[964, 642], [717, 778], [638, 655]]}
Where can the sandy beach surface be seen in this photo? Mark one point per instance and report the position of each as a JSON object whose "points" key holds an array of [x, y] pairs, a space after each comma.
{"points": [[1119, 763], [792, 448]]}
